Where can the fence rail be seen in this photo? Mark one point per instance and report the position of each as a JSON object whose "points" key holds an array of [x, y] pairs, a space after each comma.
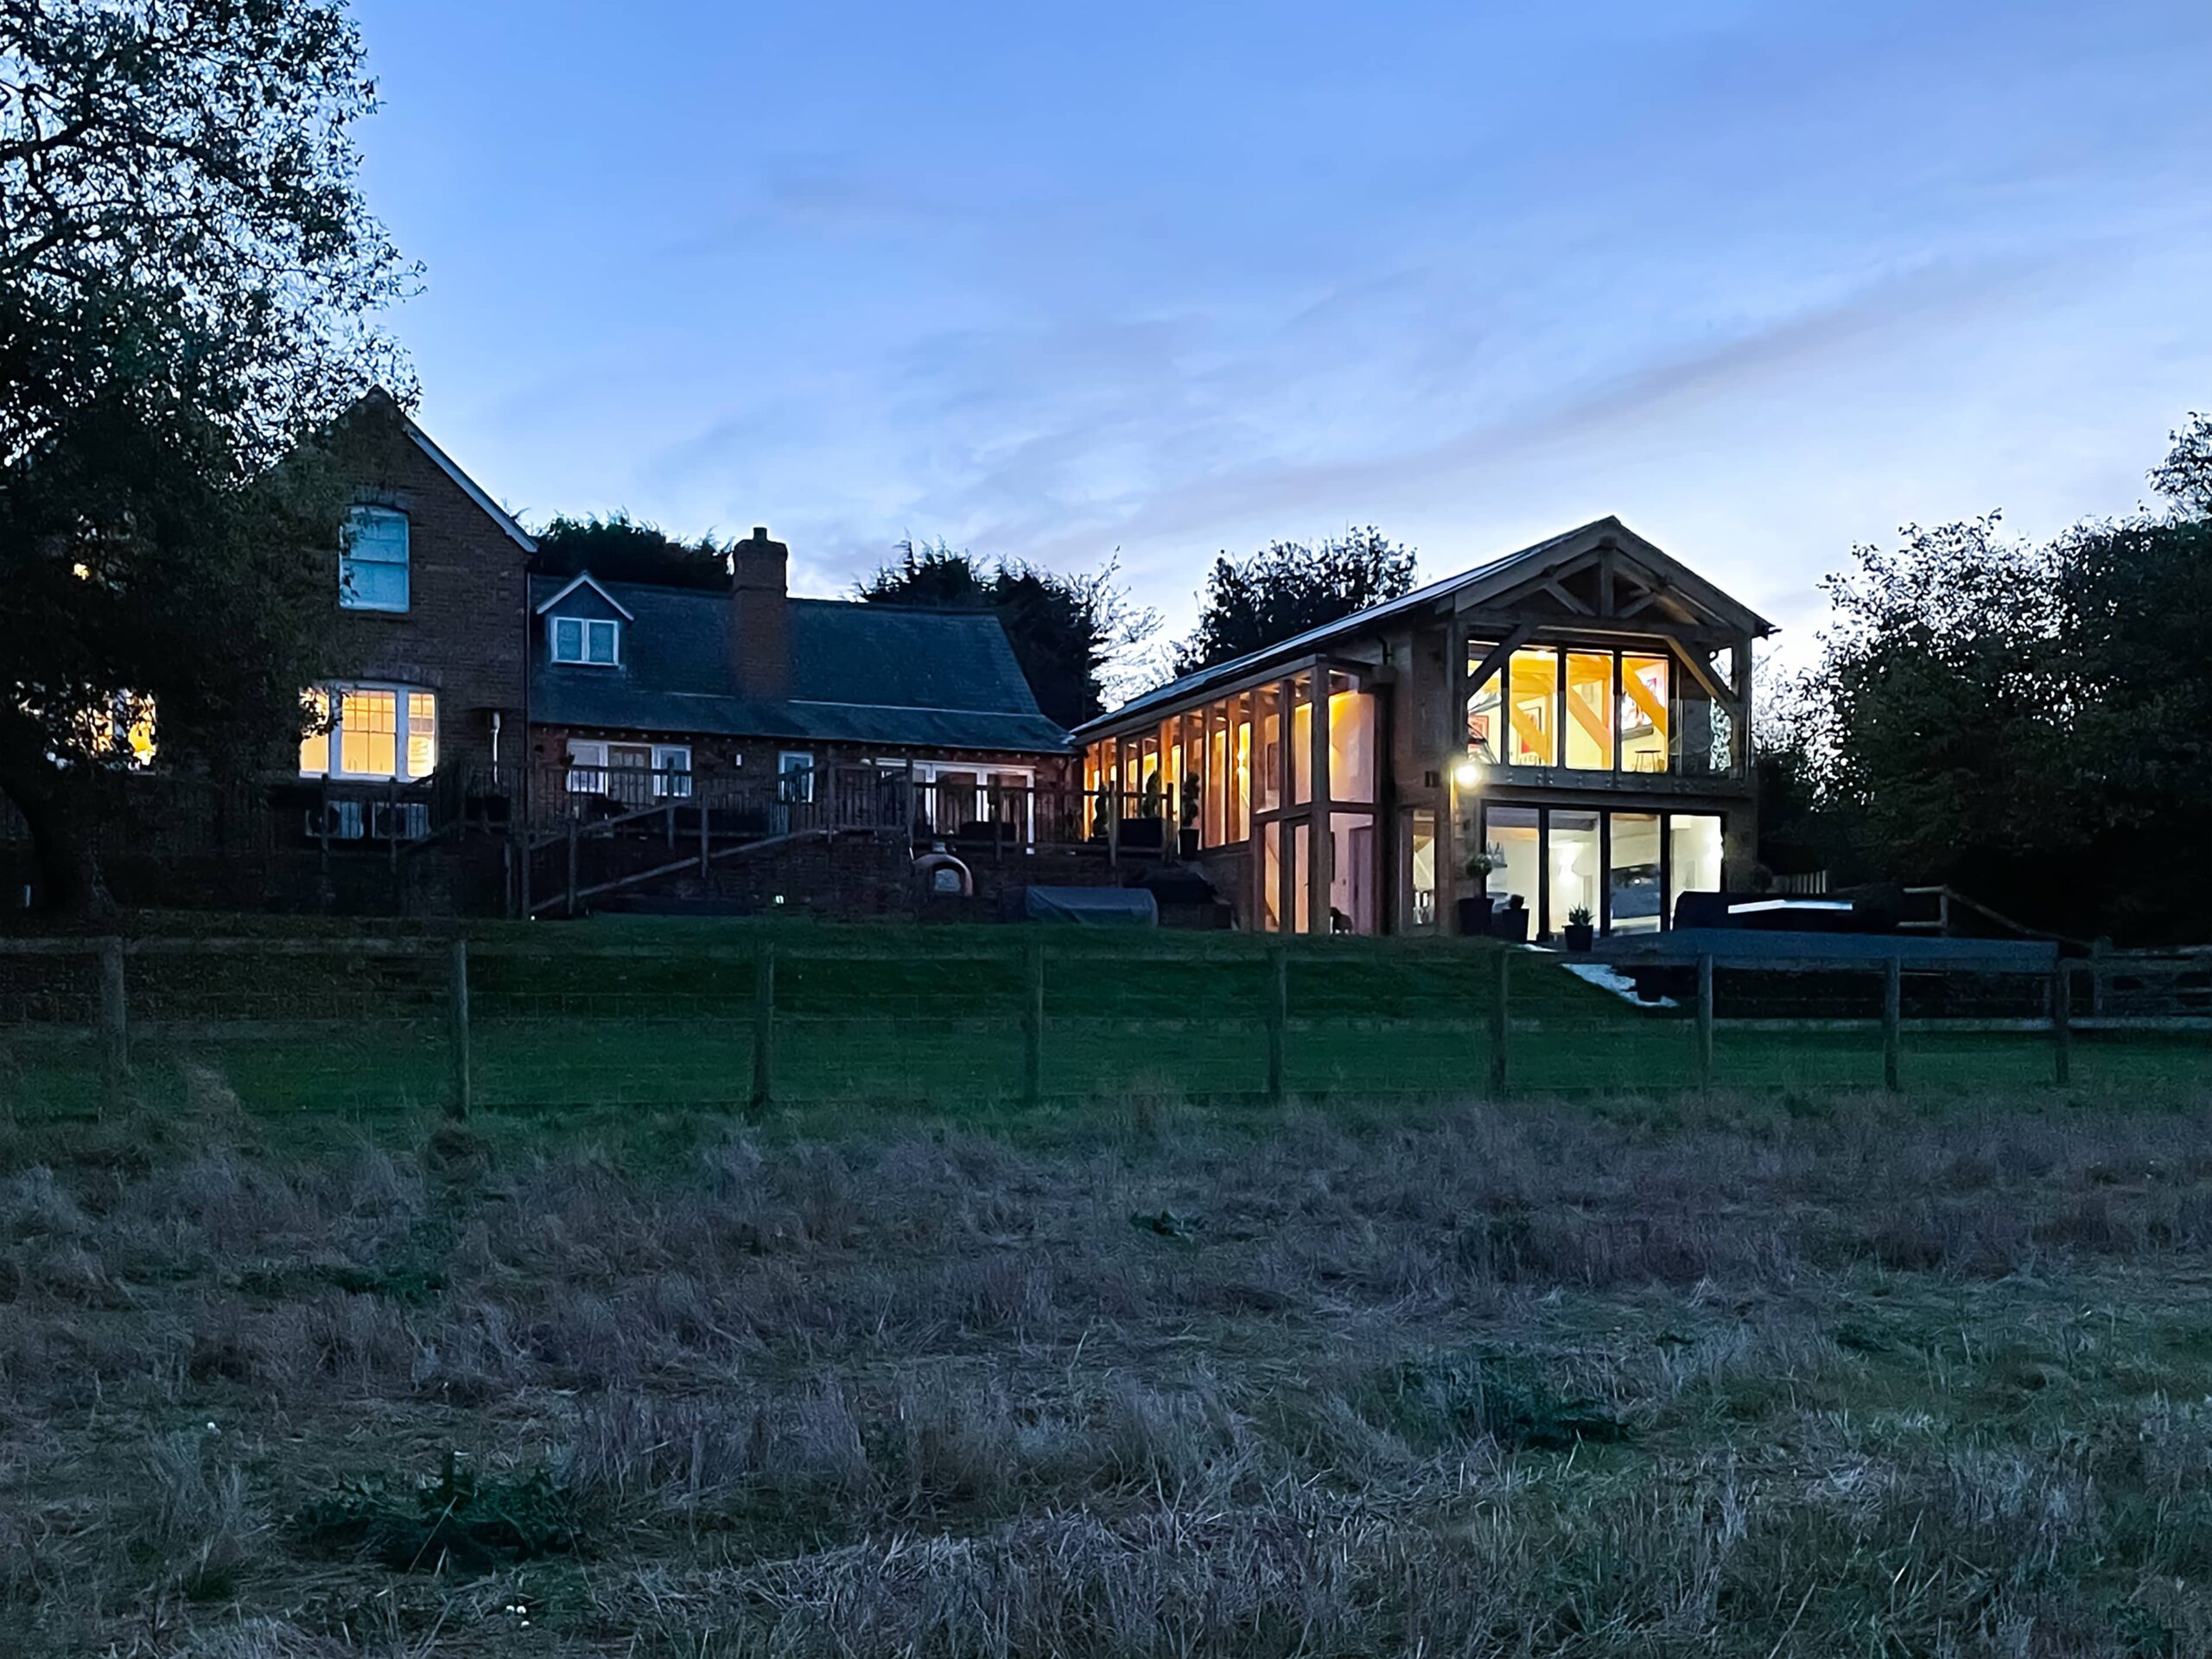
{"points": [[90, 1024]]}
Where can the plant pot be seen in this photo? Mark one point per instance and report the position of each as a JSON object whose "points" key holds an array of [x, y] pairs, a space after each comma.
{"points": [[1510, 925], [1186, 843], [1143, 835], [1474, 917], [1580, 936]]}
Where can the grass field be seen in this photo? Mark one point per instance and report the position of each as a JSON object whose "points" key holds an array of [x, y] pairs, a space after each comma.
{"points": [[930, 1020], [1798, 1374]]}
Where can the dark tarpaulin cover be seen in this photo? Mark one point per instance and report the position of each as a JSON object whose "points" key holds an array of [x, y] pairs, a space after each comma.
{"points": [[1092, 907]]}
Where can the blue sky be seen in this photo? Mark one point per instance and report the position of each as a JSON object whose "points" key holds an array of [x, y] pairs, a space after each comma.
{"points": [[1053, 281]]}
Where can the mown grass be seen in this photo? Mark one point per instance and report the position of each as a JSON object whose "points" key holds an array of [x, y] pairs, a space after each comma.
{"points": [[930, 1020], [1779, 1374]]}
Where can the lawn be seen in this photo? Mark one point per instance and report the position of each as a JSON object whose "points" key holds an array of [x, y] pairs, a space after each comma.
{"points": [[1801, 1374], [661, 1013]]}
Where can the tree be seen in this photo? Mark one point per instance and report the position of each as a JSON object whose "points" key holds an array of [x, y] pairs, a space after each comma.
{"points": [[1251, 603], [188, 283], [1067, 631], [2184, 477], [2026, 721], [618, 547]]}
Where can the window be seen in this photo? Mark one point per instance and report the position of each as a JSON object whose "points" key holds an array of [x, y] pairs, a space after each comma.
{"points": [[367, 738], [1590, 710], [795, 775], [587, 640], [372, 567], [1485, 737], [1422, 888], [1532, 699], [1573, 867], [1633, 867], [672, 771], [1643, 713]]}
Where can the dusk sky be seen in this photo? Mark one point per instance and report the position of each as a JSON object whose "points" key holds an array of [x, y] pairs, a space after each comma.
{"points": [[1049, 282]]}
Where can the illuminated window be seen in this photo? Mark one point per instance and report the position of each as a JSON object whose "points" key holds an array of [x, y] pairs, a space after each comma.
{"points": [[379, 731], [372, 567], [1532, 706], [1590, 710], [1485, 711], [368, 732], [1644, 713]]}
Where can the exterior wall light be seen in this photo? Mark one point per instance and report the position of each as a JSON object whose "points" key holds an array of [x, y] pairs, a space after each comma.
{"points": [[1468, 773]]}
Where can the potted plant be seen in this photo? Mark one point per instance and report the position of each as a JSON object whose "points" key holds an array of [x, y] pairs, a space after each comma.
{"points": [[1194, 804], [1475, 910], [1146, 832], [1580, 932]]}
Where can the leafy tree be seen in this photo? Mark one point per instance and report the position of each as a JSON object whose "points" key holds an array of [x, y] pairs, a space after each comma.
{"points": [[1067, 631], [188, 284], [2026, 721], [618, 547], [1275, 595], [2184, 477]]}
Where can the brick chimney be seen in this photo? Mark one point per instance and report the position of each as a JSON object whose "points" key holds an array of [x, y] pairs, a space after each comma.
{"points": [[759, 616]]}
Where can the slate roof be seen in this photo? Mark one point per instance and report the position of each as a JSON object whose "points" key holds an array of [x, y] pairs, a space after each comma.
{"points": [[865, 673]]}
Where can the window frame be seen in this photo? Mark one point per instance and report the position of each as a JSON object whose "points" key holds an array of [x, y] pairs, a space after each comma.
{"points": [[585, 626], [349, 598], [784, 770], [332, 737]]}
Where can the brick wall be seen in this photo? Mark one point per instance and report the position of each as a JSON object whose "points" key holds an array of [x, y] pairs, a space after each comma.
{"points": [[463, 633]]}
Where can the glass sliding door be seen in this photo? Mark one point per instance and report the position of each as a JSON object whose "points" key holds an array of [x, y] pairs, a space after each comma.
{"points": [[1692, 855], [1574, 863], [1510, 836], [1420, 881], [1633, 897], [1270, 868], [1351, 872]]}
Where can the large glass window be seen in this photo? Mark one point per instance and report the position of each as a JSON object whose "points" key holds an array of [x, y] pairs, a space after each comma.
{"points": [[1702, 739], [1217, 775], [1575, 866], [1420, 887], [1271, 877], [1301, 878], [1644, 719], [368, 732], [1532, 698], [1267, 796], [1590, 710], [1351, 743], [1485, 711], [1301, 740], [1633, 873], [1693, 855], [1240, 798], [1351, 872], [372, 566], [1511, 837]]}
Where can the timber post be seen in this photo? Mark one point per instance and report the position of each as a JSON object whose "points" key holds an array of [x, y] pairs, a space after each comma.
{"points": [[1278, 1019], [1033, 1023], [457, 1010], [763, 1027], [572, 868], [705, 854], [2061, 1023], [1705, 1012], [1501, 1022], [114, 1026], [1892, 1023]]}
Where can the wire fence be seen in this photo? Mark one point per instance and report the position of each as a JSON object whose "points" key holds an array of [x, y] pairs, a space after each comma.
{"points": [[1031, 1017]]}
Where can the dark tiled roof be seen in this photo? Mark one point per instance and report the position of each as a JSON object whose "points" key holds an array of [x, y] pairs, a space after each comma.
{"points": [[861, 673]]}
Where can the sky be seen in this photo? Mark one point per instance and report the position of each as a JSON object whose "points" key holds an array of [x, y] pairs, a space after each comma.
{"points": [[1148, 282]]}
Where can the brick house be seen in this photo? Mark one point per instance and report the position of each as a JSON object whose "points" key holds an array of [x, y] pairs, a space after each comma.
{"points": [[641, 694]]}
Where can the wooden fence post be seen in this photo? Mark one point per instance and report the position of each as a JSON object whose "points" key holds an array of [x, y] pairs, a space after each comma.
{"points": [[1033, 1024], [2062, 1024], [457, 1001], [114, 1026], [703, 854], [763, 1027], [1500, 1023], [572, 868], [1705, 1012], [1892, 1023], [1278, 1019]]}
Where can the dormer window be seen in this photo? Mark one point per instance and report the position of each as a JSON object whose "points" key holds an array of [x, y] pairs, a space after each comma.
{"points": [[587, 640]]}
